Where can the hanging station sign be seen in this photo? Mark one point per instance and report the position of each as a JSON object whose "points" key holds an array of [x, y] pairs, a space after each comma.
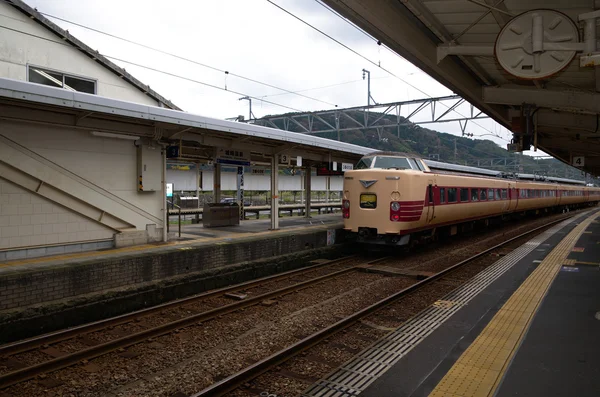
{"points": [[232, 156], [328, 169]]}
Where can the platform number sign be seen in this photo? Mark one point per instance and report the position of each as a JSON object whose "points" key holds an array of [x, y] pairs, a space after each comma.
{"points": [[284, 158], [578, 161]]}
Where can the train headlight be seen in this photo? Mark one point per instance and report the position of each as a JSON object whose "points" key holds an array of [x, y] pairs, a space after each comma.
{"points": [[395, 206], [346, 204]]}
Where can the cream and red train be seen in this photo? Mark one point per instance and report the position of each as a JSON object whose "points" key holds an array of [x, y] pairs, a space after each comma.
{"points": [[393, 199]]}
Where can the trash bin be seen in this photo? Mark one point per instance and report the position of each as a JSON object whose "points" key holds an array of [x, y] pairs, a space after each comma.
{"points": [[220, 214]]}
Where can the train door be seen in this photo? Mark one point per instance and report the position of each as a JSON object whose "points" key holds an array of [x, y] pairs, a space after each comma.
{"points": [[506, 202], [430, 200], [513, 196]]}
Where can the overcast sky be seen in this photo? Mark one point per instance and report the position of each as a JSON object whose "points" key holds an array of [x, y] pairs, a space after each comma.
{"points": [[254, 39]]}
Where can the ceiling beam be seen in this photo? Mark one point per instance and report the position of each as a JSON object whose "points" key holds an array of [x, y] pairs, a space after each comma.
{"points": [[501, 18], [397, 27], [562, 100], [421, 11], [548, 120]]}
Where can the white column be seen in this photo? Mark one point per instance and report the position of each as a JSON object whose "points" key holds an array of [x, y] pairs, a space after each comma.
{"points": [[274, 194], [240, 190], [217, 183], [165, 235], [307, 189], [198, 181]]}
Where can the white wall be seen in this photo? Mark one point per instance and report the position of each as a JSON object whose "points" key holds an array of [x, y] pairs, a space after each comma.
{"points": [[18, 49], [106, 162], [27, 219], [96, 171]]}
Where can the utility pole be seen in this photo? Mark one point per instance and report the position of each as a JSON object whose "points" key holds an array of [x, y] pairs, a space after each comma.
{"points": [[250, 114], [369, 97]]}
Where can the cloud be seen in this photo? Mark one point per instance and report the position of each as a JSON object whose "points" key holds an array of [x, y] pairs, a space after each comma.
{"points": [[254, 39]]}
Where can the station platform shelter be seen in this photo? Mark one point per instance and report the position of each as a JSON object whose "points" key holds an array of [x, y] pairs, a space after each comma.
{"points": [[81, 172], [526, 326]]}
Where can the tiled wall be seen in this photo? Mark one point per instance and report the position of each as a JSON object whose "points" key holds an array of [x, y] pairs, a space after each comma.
{"points": [[27, 219]]}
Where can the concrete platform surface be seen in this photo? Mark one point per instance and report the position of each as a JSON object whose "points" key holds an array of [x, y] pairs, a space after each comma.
{"points": [[528, 303], [192, 236]]}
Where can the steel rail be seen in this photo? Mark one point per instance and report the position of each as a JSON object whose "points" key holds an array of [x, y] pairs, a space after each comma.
{"points": [[23, 374], [58, 336], [234, 381], [30, 344]]}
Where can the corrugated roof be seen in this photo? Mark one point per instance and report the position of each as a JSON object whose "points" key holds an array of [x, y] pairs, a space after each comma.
{"points": [[93, 54]]}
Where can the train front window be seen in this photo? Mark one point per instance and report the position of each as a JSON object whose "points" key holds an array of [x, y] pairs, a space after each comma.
{"points": [[364, 163], [386, 162]]}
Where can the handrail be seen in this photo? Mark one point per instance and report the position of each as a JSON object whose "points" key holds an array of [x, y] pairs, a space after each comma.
{"points": [[254, 208]]}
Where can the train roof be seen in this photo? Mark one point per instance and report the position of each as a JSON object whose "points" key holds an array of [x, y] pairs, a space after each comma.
{"points": [[464, 169], [438, 165]]}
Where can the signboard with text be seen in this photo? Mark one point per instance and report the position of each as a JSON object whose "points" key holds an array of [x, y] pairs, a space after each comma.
{"points": [[233, 156], [327, 169]]}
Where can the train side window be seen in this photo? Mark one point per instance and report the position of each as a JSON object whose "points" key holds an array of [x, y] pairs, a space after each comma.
{"points": [[442, 195], [419, 164], [490, 194], [498, 196], [413, 164], [464, 195], [504, 194], [452, 195], [483, 195], [474, 194]]}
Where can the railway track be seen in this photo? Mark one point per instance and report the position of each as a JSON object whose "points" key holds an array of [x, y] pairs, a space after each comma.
{"points": [[250, 293], [295, 292], [274, 362]]}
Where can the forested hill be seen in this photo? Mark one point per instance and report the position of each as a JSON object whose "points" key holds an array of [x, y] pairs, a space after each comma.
{"points": [[436, 145]]}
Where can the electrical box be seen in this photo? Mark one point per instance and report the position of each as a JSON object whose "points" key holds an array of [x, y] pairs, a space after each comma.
{"points": [[149, 167]]}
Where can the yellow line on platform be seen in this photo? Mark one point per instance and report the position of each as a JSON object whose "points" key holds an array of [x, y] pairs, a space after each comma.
{"points": [[479, 370]]}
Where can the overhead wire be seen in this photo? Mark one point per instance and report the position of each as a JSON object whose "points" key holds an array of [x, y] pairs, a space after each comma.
{"points": [[325, 86], [157, 70], [261, 98], [362, 56], [226, 72]]}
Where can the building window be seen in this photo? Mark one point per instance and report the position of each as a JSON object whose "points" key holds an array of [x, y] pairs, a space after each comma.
{"points": [[60, 80]]}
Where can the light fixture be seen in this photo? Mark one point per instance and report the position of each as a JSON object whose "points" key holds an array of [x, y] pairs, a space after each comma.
{"points": [[116, 136]]}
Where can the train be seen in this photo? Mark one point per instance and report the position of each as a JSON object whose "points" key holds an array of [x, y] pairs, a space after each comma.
{"points": [[400, 199]]}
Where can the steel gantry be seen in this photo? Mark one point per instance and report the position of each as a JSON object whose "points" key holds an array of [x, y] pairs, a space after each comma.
{"points": [[373, 117]]}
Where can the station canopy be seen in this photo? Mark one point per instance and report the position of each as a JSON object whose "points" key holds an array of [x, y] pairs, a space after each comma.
{"points": [[530, 65]]}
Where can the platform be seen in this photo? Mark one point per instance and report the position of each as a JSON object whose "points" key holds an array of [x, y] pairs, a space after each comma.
{"points": [[74, 287], [191, 236], [526, 326]]}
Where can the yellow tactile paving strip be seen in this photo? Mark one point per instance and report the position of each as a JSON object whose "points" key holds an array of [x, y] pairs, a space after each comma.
{"points": [[226, 239], [480, 368]]}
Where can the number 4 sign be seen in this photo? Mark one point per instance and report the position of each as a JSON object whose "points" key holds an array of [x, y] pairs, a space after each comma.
{"points": [[578, 161]]}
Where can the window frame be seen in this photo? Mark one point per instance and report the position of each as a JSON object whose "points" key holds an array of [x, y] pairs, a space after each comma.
{"points": [[30, 66], [455, 195], [467, 193]]}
